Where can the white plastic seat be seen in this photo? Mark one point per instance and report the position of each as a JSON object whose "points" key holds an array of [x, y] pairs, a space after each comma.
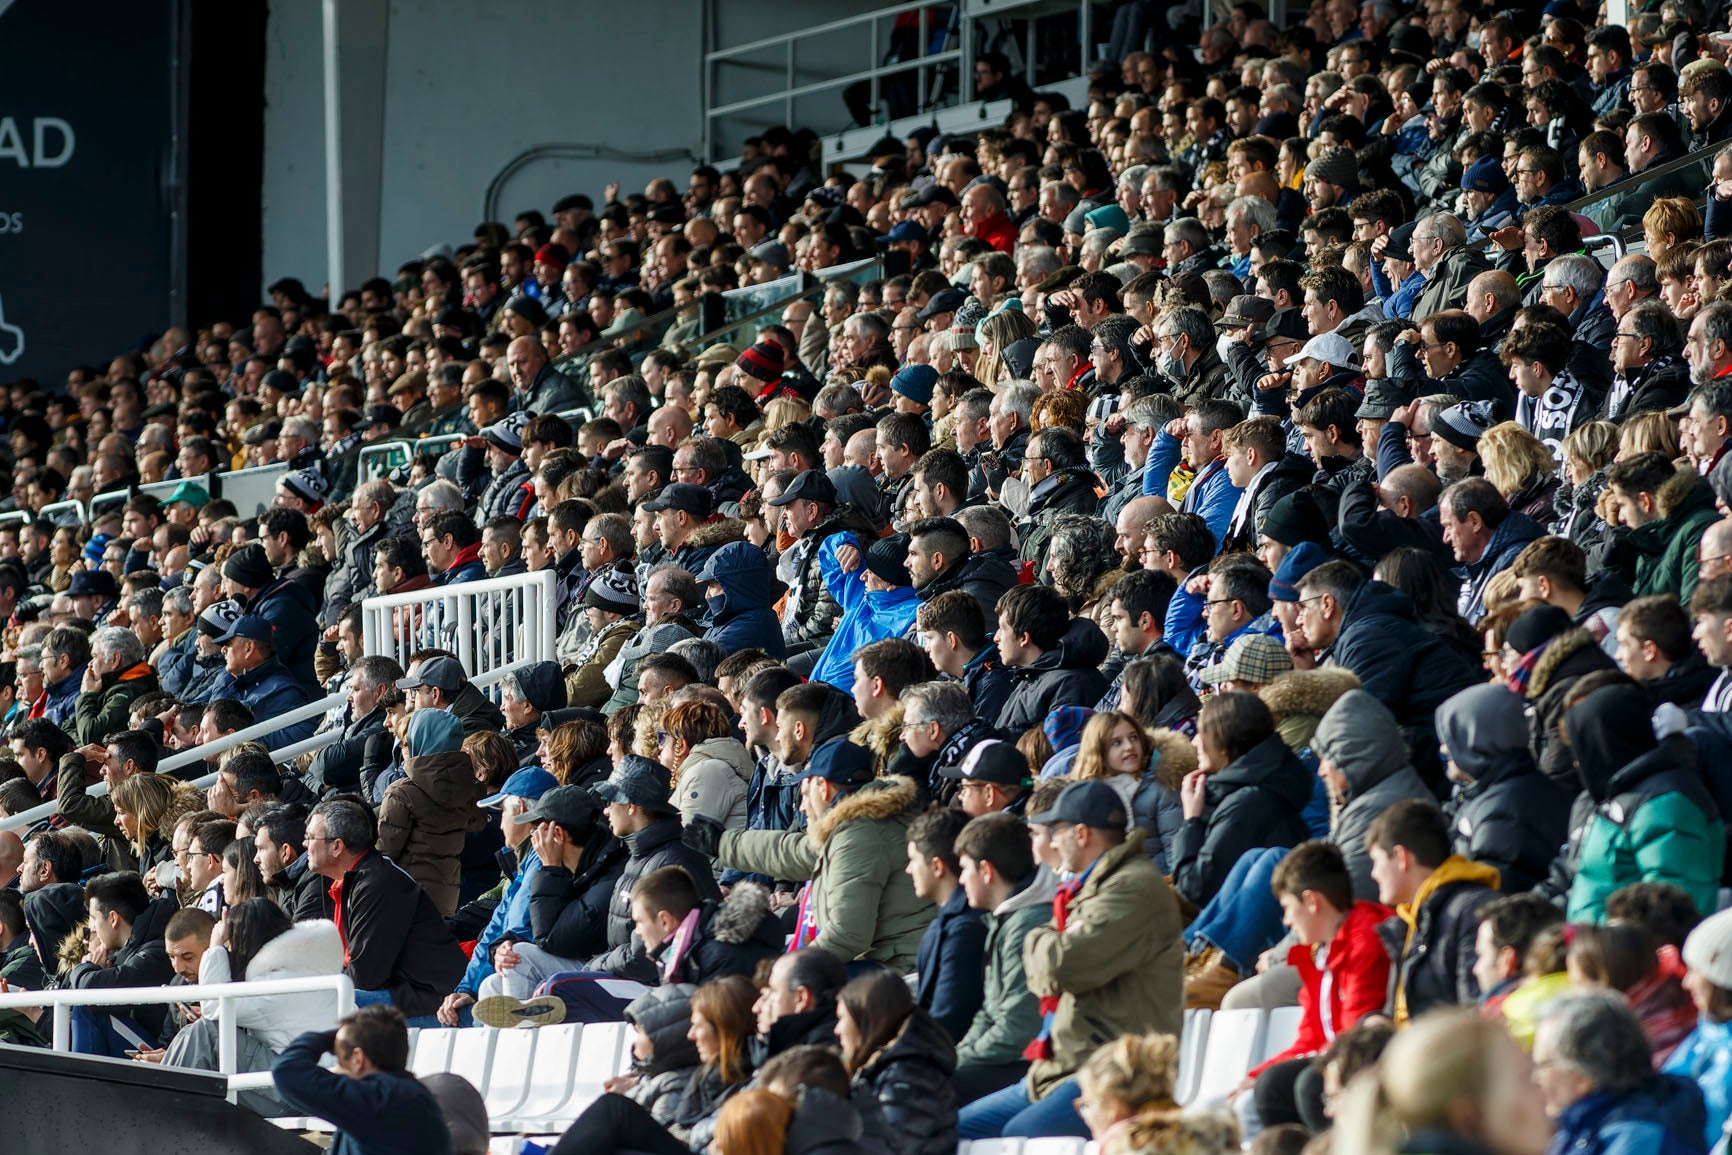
{"points": [[431, 1052], [1234, 1039], [513, 1071], [550, 1078], [1193, 1036], [1282, 1029], [598, 1060], [472, 1055], [990, 1146], [1055, 1146]]}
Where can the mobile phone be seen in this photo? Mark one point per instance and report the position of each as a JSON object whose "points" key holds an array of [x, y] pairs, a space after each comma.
{"points": [[132, 1054]]}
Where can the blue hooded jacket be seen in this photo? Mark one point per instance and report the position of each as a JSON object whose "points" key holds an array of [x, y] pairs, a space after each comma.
{"points": [[742, 616], [510, 920], [867, 616]]}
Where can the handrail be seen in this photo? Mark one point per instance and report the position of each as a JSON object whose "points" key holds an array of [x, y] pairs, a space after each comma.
{"points": [[25, 819], [148, 489], [1646, 176], [783, 95], [61, 1002], [48, 511], [811, 30], [409, 446]]}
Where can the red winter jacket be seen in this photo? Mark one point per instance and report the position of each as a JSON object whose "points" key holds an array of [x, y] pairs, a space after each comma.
{"points": [[1358, 972]]}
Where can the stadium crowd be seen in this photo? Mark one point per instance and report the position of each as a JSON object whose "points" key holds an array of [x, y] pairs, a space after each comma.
{"points": [[1239, 543]]}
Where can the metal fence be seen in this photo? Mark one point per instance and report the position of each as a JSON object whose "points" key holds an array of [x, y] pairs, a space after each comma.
{"points": [[382, 457], [61, 1002], [488, 624], [252, 490], [156, 489]]}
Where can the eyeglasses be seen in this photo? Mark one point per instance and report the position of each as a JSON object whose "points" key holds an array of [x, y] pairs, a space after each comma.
{"points": [[1626, 336], [1529, 171]]}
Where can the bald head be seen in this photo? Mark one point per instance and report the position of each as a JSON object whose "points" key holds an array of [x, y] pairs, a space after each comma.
{"points": [[1138, 512], [669, 426], [1714, 551], [862, 450], [1259, 184], [524, 357], [1491, 293], [1410, 490]]}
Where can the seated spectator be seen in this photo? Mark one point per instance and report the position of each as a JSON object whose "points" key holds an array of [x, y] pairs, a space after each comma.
{"points": [[1506, 813], [709, 766], [692, 939], [427, 813], [1247, 792], [1705, 1055], [1135, 980], [857, 904], [1437, 896], [257, 942], [1597, 1082], [1653, 646], [395, 945], [280, 850], [1144, 767], [125, 950], [1362, 760], [739, 587], [900, 1061], [662, 1053], [1053, 659], [21, 970], [877, 604], [1504, 948], [116, 676], [721, 1024], [1624, 958], [1665, 826], [948, 970], [956, 638], [1126, 1080], [1343, 972], [371, 1097]]}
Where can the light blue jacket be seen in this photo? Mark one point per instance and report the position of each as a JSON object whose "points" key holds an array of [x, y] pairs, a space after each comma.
{"points": [[866, 617], [510, 920], [1705, 1055]]}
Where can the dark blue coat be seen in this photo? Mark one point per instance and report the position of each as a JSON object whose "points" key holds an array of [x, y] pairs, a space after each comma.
{"points": [[379, 1115], [742, 616], [1665, 1116], [951, 965], [268, 690], [292, 607]]}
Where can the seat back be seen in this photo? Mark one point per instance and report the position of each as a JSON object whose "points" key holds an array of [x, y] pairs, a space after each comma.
{"points": [[550, 1076], [431, 1051], [1193, 1036], [1282, 1029], [513, 1071], [1234, 1037]]}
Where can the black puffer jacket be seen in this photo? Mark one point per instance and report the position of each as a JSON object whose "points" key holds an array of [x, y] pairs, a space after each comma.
{"points": [[733, 937], [1258, 801], [908, 1081], [1358, 734], [651, 848], [984, 576], [665, 1015], [1435, 963], [1067, 675], [1567, 659], [1506, 813], [1070, 490], [826, 1125], [1403, 665], [568, 911]]}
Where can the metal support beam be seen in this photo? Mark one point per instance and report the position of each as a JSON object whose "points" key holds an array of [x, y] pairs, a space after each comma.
{"points": [[355, 37]]}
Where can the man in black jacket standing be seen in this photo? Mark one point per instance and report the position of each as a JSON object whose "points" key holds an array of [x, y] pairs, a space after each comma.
{"points": [[395, 946]]}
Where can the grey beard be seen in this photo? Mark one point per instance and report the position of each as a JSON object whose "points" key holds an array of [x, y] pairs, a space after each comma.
{"points": [[1451, 476], [1699, 375]]}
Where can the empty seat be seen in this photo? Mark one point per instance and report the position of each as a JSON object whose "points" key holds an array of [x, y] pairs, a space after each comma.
{"points": [[990, 1146], [432, 1050], [472, 1055], [549, 1078], [1192, 1038], [1282, 1029], [1234, 1039], [513, 1074], [1059, 1146]]}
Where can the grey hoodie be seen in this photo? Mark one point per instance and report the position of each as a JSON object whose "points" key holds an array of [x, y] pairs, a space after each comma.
{"points": [[1360, 736]]}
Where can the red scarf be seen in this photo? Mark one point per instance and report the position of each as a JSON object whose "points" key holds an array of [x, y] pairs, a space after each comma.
{"points": [[1041, 1046]]}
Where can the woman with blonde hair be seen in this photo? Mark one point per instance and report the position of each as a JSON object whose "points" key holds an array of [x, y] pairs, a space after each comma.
{"points": [[997, 333], [1522, 468], [1670, 222], [146, 807], [1587, 451], [1651, 432], [785, 411], [1453, 1082], [1129, 1077]]}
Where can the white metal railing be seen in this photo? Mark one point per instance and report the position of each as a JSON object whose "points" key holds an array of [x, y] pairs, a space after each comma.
{"points": [[61, 1002], [196, 754], [18, 516], [73, 505], [488, 624], [252, 490], [367, 464], [156, 489], [876, 43]]}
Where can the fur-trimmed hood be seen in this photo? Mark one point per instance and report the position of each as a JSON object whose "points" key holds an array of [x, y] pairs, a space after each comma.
{"points": [[1683, 489], [1562, 648], [740, 913], [713, 534], [881, 735], [877, 801], [1174, 757], [306, 950], [1307, 693]]}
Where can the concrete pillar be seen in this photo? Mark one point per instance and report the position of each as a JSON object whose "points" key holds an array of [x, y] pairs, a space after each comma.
{"points": [[355, 34]]}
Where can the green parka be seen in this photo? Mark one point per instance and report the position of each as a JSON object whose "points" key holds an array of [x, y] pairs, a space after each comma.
{"points": [[1666, 549], [856, 856], [1010, 1014], [1117, 968]]}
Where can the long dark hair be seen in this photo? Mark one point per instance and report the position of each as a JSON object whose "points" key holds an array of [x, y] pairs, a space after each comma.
{"points": [[879, 1003], [1417, 573], [727, 1004], [252, 924]]}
